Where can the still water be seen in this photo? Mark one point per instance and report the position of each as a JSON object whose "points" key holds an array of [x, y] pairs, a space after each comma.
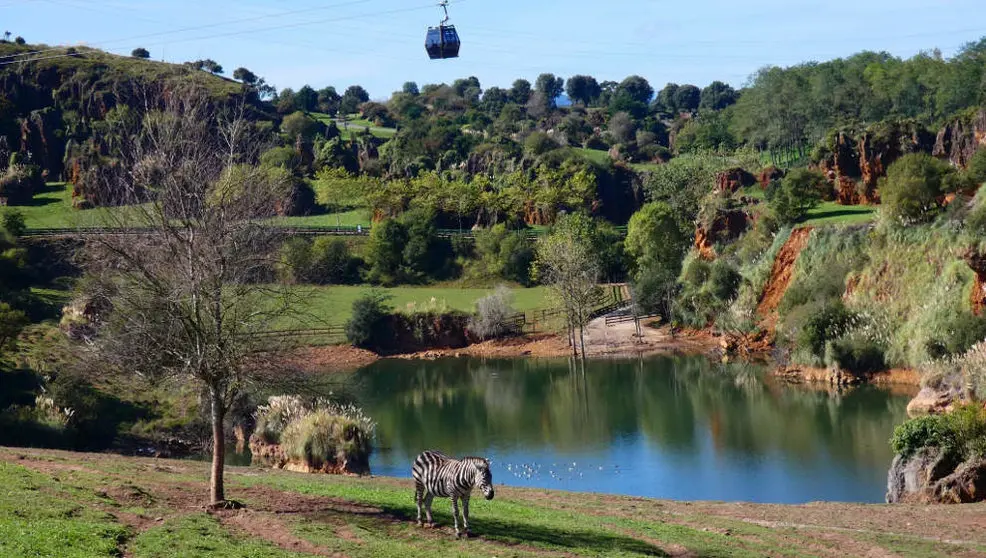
{"points": [[679, 428]]}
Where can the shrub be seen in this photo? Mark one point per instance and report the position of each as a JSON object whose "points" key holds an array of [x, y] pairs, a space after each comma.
{"points": [[322, 440], [799, 191], [960, 434], [368, 321], [281, 410], [493, 313], [13, 222], [332, 263], [504, 254], [910, 191], [20, 182], [822, 325], [977, 167], [707, 289], [295, 260], [932, 431], [856, 355], [975, 220]]}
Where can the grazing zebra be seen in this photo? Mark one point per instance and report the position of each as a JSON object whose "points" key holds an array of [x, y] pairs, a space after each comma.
{"points": [[436, 474]]}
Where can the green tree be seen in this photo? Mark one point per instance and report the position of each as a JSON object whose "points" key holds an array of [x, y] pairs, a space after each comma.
{"points": [[328, 100], [717, 96], [306, 99], [354, 96], [687, 97], [583, 89], [655, 245], [550, 87], [385, 251], [411, 88], [638, 89], [300, 125], [12, 321], [798, 192], [911, 190], [140, 52], [245, 76], [520, 92], [667, 99]]}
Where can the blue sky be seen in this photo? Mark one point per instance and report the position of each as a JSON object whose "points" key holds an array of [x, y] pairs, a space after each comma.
{"points": [[380, 43]]}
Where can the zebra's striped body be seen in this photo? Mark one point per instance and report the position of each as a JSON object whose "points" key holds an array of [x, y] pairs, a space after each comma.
{"points": [[436, 474]]}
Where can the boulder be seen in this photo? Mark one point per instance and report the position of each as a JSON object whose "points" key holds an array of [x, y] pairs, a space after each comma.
{"points": [[965, 486], [930, 401], [913, 478], [733, 179]]}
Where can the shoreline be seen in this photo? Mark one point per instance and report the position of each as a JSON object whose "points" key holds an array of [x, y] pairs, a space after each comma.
{"points": [[611, 342]]}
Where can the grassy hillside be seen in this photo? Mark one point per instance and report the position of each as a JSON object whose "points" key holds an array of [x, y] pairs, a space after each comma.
{"points": [[74, 505]]}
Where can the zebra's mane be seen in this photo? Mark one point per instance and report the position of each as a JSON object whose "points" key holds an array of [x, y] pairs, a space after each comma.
{"points": [[476, 461]]}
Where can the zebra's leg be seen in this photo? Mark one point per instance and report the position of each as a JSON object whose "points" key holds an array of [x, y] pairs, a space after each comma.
{"points": [[428, 499], [455, 514], [465, 514], [418, 496]]}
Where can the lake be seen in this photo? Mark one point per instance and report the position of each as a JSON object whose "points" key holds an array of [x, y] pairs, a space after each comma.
{"points": [[679, 428]]}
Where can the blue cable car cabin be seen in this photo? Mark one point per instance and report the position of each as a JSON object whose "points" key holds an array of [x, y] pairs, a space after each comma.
{"points": [[442, 42]]}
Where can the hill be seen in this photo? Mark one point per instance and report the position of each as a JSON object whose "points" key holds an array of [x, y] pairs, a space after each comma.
{"points": [[72, 504]]}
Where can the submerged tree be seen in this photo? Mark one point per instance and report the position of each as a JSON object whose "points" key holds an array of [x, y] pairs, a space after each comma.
{"points": [[186, 296]]}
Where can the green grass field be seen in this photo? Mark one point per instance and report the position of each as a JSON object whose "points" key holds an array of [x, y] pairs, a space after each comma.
{"points": [[323, 306], [831, 213], [356, 124], [343, 219], [68, 505]]}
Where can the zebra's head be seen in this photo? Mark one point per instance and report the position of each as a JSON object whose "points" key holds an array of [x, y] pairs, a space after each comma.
{"points": [[484, 478]]}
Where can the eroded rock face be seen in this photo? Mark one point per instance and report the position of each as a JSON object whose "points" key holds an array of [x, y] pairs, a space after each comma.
{"points": [[913, 478], [731, 180], [933, 477], [768, 175], [863, 158], [959, 140], [727, 225]]}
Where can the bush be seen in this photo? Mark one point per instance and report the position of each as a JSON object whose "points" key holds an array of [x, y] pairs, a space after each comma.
{"points": [[13, 222], [367, 323], [317, 432], [707, 289], [324, 440], [823, 324], [332, 263], [493, 313], [858, 356], [910, 191], [975, 220], [932, 431], [799, 191], [504, 254], [977, 167], [20, 182], [960, 434]]}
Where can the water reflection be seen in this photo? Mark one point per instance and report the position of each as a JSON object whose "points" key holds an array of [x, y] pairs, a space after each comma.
{"points": [[669, 427]]}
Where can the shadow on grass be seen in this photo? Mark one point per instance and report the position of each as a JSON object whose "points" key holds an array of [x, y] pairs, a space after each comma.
{"points": [[507, 532], [835, 214]]}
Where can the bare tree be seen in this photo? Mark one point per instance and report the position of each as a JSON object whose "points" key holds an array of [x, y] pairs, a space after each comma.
{"points": [[566, 263], [187, 289]]}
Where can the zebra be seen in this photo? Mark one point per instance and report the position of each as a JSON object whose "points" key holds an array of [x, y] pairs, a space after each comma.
{"points": [[436, 474]]}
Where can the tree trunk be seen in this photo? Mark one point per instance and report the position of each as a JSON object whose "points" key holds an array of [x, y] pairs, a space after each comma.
{"points": [[582, 340], [217, 491]]}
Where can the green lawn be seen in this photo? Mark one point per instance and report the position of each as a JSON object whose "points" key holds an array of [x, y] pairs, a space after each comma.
{"points": [[61, 504], [831, 213], [332, 305], [343, 219], [356, 124], [52, 208]]}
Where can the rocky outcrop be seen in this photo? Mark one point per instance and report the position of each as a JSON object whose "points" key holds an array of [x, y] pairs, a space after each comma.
{"points": [[731, 180], [933, 476], [863, 157], [727, 225], [930, 401], [768, 175], [959, 140]]}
